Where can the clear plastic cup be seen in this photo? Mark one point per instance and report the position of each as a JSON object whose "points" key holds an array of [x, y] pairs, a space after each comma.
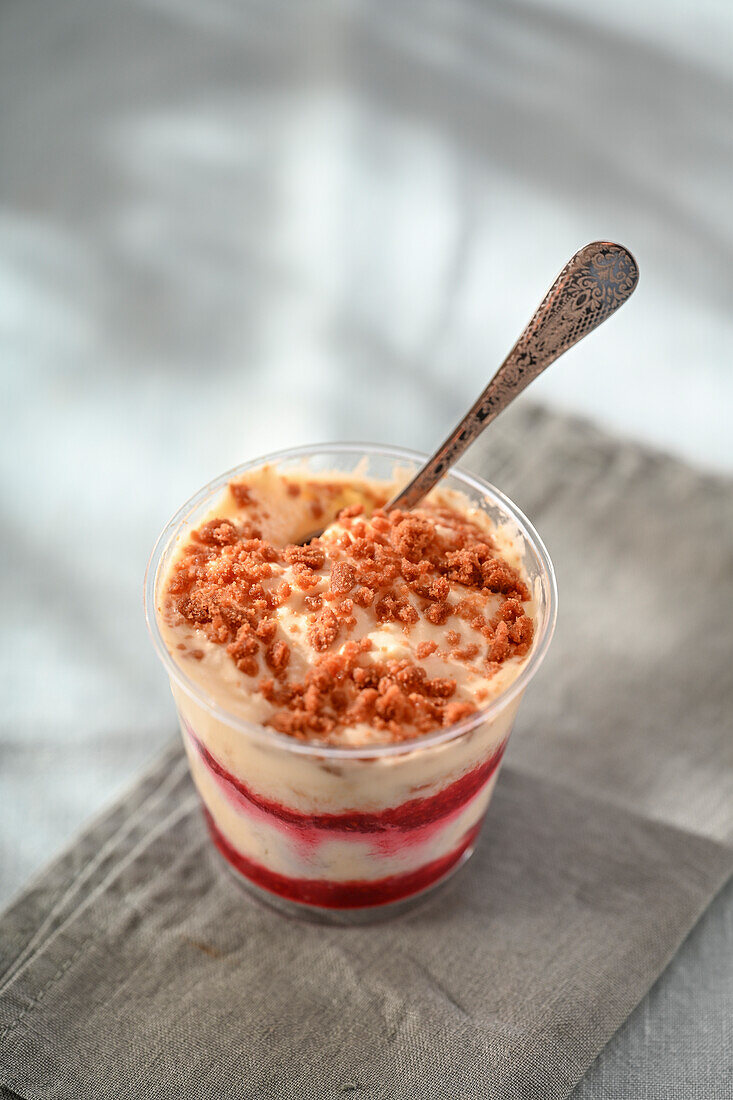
{"points": [[342, 832]]}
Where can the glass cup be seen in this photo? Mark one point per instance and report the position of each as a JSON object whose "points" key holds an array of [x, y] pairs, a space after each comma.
{"points": [[338, 833]]}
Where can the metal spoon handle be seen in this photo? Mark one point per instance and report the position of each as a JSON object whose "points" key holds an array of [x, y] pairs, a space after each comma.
{"points": [[591, 286]]}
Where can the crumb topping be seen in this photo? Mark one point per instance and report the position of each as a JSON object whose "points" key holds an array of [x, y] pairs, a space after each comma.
{"points": [[258, 601]]}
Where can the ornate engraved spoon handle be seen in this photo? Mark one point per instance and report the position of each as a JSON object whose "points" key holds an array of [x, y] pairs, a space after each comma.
{"points": [[591, 286]]}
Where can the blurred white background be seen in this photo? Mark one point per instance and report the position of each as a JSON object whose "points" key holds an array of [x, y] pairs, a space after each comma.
{"points": [[227, 227]]}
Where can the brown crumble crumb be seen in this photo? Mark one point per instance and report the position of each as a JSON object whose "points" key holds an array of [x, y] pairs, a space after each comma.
{"points": [[277, 657], [350, 512], [455, 712], [311, 555], [363, 596], [266, 630], [241, 493], [324, 630], [441, 686], [393, 609], [343, 578], [412, 535], [227, 584], [437, 613], [304, 577], [217, 532], [267, 688]]}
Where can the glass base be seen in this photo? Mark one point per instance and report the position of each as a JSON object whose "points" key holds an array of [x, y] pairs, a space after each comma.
{"points": [[372, 914]]}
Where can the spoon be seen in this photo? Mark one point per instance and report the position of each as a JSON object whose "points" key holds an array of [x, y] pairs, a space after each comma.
{"points": [[592, 285]]}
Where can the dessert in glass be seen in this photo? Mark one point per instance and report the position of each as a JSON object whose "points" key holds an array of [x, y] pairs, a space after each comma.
{"points": [[345, 701]]}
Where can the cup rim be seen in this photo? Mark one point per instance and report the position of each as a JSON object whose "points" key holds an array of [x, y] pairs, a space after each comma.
{"points": [[432, 739]]}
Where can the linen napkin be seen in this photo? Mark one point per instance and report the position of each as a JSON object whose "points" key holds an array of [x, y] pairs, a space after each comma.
{"points": [[136, 966]]}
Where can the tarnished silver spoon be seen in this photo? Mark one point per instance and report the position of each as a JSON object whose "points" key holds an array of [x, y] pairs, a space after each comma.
{"points": [[592, 285]]}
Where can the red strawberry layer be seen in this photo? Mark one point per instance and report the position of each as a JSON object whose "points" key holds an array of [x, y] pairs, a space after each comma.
{"points": [[353, 894], [414, 814]]}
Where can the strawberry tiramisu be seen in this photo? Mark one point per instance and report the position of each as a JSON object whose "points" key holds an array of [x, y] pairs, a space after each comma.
{"points": [[339, 696]]}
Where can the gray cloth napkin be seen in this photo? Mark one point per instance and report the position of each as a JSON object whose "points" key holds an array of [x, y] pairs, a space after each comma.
{"points": [[136, 967]]}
